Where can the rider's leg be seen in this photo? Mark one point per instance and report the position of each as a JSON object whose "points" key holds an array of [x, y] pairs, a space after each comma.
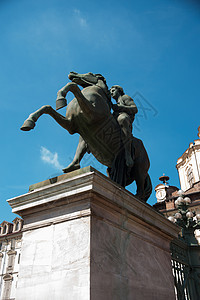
{"points": [[126, 126], [80, 152], [140, 181]]}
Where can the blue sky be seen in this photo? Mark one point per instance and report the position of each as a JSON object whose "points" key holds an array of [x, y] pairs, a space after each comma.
{"points": [[150, 48]]}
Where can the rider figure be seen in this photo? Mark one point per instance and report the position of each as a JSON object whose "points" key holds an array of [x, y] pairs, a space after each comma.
{"points": [[124, 112]]}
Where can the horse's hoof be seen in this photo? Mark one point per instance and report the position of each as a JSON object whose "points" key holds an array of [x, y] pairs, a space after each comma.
{"points": [[71, 168], [28, 125], [60, 103]]}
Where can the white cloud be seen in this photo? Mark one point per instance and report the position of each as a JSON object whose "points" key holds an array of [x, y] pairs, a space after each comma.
{"points": [[82, 21], [50, 158]]}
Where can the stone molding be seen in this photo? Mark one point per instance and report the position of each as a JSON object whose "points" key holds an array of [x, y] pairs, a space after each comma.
{"points": [[51, 193]]}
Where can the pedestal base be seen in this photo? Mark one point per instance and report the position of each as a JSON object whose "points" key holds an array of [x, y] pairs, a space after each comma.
{"points": [[87, 238]]}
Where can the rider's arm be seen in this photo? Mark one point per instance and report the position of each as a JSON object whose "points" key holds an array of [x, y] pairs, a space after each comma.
{"points": [[127, 104]]}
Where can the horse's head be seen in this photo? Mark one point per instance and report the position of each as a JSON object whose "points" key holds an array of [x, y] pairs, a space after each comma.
{"points": [[87, 79], [90, 79]]}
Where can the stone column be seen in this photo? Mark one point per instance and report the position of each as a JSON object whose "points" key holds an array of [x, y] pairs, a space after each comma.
{"points": [[85, 237]]}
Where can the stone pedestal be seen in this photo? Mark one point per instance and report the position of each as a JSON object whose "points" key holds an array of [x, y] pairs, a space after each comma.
{"points": [[85, 237]]}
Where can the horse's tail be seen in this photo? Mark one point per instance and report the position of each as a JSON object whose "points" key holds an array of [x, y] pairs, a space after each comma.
{"points": [[147, 187]]}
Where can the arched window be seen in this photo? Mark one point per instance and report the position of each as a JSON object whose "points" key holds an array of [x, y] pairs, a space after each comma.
{"points": [[190, 176], [17, 226], [4, 229]]}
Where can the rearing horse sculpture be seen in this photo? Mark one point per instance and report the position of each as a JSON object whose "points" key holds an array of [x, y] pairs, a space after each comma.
{"points": [[89, 115]]}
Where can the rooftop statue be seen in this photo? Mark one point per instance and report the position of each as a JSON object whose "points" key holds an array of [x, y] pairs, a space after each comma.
{"points": [[107, 136]]}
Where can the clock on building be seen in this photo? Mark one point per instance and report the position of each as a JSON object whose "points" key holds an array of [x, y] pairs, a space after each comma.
{"points": [[161, 194]]}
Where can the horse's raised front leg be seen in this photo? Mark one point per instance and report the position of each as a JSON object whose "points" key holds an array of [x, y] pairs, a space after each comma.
{"points": [[86, 106], [47, 109]]}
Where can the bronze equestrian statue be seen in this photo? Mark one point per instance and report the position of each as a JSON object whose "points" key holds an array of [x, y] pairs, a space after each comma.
{"points": [[89, 115]]}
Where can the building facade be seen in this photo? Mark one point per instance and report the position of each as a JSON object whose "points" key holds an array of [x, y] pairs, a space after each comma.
{"points": [[10, 249], [188, 167]]}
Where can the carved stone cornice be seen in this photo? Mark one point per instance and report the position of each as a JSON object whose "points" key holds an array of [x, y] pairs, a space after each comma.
{"points": [[186, 154]]}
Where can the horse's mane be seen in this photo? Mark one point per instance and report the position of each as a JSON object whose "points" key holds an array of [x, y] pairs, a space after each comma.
{"points": [[106, 89]]}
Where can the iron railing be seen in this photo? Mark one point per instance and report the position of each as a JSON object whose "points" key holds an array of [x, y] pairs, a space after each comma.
{"points": [[181, 270]]}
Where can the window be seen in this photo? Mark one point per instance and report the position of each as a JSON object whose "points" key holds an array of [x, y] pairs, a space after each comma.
{"points": [[17, 226], [4, 229], [11, 260], [19, 258], [7, 287], [13, 244], [190, 176]]}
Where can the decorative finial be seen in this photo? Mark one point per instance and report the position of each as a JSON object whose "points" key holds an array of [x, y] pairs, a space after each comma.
{"points": [[164, 179]]}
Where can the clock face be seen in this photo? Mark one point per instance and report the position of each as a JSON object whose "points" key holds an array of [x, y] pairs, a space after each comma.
{"points": [[160, 195]]}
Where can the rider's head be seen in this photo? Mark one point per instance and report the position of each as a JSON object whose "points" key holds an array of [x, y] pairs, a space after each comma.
{"points": [[116, 91]]}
